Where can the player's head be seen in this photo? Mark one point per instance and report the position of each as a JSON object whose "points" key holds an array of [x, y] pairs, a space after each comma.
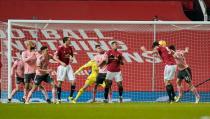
{"points": [[172, 47], [114, 45], [99, 49], [155, 44], [30, 45], [162, 43], [66, 40], [44, 50]]}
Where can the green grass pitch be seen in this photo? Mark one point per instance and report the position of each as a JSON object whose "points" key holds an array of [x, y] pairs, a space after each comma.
{"points": [[106, 111]]}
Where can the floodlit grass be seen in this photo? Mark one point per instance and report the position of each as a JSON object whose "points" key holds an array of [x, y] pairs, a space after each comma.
{"points": [[106, 111]]}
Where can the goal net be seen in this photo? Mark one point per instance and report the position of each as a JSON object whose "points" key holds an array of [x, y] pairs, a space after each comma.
{"points": [[142, 73]]}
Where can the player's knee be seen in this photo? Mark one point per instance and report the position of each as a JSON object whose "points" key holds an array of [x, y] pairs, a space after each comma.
{"points": [[41, 87], [59, 89], [73, 87], [33, 88], [26, 86], [119, 83], [178, 81], [73, 83], [59, 84], [95, 87], [107, 83], [120, 87], [169, 87], [110, 83], [16, 88], [54, 86], [81, 90], [191, 87]]}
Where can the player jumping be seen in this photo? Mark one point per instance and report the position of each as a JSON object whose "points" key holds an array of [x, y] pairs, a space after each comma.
{"points": [[184, 72], [170, 67]]}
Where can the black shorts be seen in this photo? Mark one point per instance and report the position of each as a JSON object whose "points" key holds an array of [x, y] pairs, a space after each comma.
{"points": [[19, 80], [39, 78], [100, 78], [29, 77], [185, 74]]}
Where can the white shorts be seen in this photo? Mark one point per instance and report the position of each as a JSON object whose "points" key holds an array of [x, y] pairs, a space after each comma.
{"points": [[65, 73], [116, 75], [169, 72]]}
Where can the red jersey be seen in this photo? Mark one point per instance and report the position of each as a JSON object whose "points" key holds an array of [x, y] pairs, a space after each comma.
{"points": [[114, 58], [167, 58], [64, 53]]}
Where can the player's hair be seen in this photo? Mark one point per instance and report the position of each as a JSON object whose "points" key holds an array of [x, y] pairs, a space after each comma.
{"points": [[29, 43], [172, 47], [155, 43], [113, 42], [43, 48], [96, 46], [65, 39]]}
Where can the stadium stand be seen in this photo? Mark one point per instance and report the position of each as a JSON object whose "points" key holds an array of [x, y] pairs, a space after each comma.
{"points": [[103, 10]]}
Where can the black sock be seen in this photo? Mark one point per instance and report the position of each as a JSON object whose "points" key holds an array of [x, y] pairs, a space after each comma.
{"points": [[168, 89], [106, 92], [172, 92], [59, 93], [72, 90], [120, 90]]}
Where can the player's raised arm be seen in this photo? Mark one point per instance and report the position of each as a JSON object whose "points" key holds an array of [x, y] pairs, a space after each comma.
{"points": [[154, 51], [88, 64]]}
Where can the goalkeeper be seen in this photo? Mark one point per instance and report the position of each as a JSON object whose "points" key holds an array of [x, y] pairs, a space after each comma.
{"points": [[91, 79]]}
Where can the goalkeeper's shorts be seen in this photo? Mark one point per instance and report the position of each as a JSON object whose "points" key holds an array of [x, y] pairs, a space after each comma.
{"points": [[90, 80]]}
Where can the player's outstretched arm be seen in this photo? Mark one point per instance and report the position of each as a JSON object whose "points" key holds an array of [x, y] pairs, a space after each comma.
{"points": [[89, 64], [154, 51]]}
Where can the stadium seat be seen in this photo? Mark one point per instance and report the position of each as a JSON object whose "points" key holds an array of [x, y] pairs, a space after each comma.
{"points": [[95, 10]]}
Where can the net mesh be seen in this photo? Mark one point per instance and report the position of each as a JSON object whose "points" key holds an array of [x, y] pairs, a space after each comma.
{"points": [[138, 81]]}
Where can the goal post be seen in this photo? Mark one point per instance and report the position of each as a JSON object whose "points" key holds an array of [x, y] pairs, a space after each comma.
{"points": [[142, 72]]}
